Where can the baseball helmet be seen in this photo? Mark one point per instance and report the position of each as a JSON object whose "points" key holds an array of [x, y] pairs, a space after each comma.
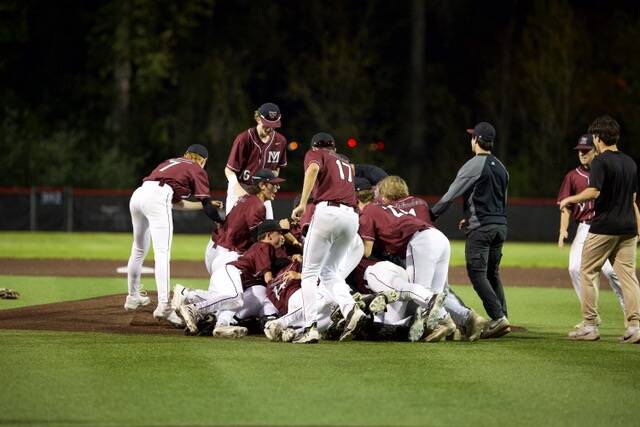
{"points": [[323, 140]]}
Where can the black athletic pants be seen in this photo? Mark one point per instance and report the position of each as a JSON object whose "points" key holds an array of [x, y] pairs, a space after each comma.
{"points": [[483, 252]]}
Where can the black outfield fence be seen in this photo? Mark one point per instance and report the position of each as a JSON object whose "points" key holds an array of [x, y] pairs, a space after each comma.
{"points": [[78, 209]]}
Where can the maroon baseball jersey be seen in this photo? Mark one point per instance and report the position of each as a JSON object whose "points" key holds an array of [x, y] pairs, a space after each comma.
{"points": [[185, 176], [574, 182], [235, 232], [335, 178], [279, 290], [415, 206], [389, 228], [249, 154], [255, 262], [356, 279]]}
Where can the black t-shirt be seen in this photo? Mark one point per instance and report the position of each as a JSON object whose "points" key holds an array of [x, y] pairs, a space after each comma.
{"points": [[614, 174]]}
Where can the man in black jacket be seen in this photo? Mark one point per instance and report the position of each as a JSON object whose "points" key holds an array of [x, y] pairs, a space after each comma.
{"points": [[482, 182]]}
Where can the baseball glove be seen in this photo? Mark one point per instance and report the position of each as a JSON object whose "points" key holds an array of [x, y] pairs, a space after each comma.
{"points": [[6, 293], [205, 326]]}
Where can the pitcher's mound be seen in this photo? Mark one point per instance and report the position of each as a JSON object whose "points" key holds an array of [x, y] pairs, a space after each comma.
{"points": [[102, 314]]}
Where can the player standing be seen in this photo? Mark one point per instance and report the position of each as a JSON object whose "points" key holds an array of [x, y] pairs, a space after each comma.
{"points": [[574, 183], [256, 148], [168, 185], [333, 228]]}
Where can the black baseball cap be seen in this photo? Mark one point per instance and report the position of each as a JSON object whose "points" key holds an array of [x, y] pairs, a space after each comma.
{"points": [[198, 149], [323, 139], [266, 175], [484, 131], [585, 142], [362, 184], [270, 115], [269, 225]]}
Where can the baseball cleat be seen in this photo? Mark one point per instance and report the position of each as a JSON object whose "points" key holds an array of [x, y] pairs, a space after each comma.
{"points": [[379, 303], [585, 333], [178, 296], [191, 316], [432, 312], [631, 336], [473, 327], [309, 336], [445, 328], [273, 330], [164, 312], [290, 334], [132, 302], [496, 328], [355, 320], [230, 331]]}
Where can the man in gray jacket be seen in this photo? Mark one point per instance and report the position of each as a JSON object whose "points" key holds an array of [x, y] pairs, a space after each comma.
{"points": [[482, 182]]}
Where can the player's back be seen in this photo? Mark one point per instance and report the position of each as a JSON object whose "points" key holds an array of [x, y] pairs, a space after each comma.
{"points": [[235, 232], [184, 175], [335, 177], [389, 227], [415, 206]]}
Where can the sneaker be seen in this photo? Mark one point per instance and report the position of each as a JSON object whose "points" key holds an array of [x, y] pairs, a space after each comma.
{"points": [[191, 317], [273, 330], [230, 331], [132, 302], [416, 330], [585, 333], [631, 335], [496, 328], [473, 327], [379, 303], [309, 336], [355, 320], [164, 312], [290, 334], [178, 298], [445, 328]]}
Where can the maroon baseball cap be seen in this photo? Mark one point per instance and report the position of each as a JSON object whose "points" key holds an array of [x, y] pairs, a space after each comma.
{"points": [[270, 115], [266, 175], [585, 142], [484, 131]]}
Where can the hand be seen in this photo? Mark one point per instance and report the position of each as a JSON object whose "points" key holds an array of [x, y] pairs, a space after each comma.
{"points": [[563, 236], [284, 223], [297, 257], [217, 204], [297, 212], [564, 203], [462, 224], [292, 275]]}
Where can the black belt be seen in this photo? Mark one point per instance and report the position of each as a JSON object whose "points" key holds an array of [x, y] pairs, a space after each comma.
{"points": [[336, 204]]}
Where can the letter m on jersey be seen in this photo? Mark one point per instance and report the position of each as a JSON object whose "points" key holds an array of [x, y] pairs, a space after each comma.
{"points": [[274, 156]]}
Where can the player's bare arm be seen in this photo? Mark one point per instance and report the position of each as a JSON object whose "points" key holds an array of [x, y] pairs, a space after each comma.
{"points": [[232, 178], [563, 234], [589, 193], [368, 247], [310, 177], [268, 277], [186, 205]]}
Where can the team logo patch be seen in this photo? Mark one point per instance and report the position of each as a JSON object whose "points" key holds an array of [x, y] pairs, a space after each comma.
{"points": [[273, 115], [274, 156]]}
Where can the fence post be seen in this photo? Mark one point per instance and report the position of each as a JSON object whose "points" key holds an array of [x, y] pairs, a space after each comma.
{"points": [[32, 209], [68, 197]]}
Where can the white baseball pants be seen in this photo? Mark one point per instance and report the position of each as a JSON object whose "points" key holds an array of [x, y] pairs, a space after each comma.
{"points": [[330, 234], [428, 256], [152, 220], [294, 318], [225, 292], [255, 304], [216, 257], [575, 256]]}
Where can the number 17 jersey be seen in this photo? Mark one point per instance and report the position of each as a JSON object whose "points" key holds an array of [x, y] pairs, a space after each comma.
{"points": [[335, 177]]}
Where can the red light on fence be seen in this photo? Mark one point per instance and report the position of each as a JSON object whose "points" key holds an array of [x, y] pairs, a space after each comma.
{"points": [[352, 143], [379, 146]]}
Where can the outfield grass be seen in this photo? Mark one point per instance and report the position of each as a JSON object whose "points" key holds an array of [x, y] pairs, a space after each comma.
{"points": [[532, 378], [192, 246]]}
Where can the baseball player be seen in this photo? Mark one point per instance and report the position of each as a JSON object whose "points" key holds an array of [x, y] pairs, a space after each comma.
{"points": [[332, 230], [425, 248], [169, 185], [234, 236], [574, 183], [229, 282], [256, 148]]}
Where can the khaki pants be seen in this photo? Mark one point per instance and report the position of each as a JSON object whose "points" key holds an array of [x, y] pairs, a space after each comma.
{"points": [[621, 252]]}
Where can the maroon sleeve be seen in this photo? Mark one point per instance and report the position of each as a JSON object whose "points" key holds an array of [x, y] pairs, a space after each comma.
{"points": [[236, 159], [313, 157], [257, 215], [201, 184], [565, 188], [283, 152], [264, 258], [367, 229]]}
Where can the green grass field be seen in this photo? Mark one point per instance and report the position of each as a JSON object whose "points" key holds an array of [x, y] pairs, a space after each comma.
{"points": [[528, 378]]}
